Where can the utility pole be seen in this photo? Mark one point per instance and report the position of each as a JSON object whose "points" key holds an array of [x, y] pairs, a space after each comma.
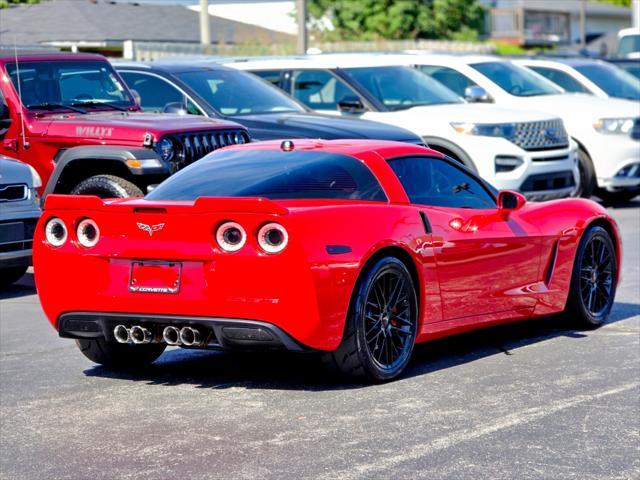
{"points": [[301, 13], [583, 24], [205, 36]]}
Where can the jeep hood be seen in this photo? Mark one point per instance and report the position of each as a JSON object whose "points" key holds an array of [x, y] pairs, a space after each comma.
{"points": [[272, 126], [127, 126]]}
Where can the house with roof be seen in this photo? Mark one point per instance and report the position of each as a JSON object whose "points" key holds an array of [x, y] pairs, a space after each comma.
{"points": [[548, 22], [107, 26]]}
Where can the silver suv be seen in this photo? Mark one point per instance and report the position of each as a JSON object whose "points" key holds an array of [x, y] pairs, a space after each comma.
{"points": [[19, 212]]}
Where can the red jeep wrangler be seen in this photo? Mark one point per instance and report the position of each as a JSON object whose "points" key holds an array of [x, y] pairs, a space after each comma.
{"points": [[74, 120]]}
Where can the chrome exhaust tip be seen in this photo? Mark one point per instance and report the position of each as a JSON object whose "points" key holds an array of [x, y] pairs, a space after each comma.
{"points": [[122, 334], [190, 336], [140, 335], [171, 335]]}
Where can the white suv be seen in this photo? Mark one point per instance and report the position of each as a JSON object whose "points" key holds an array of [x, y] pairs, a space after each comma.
{"points": [[603, 128], [512, 149]]}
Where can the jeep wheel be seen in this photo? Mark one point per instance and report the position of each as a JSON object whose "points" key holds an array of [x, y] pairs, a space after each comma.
{"points": [[107, 186]]}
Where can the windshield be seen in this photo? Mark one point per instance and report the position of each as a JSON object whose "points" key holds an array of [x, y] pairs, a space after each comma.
{"points": [[273, 174], [614, 81], [238, 93], [400, 88], [629, 44], [57, 83], [516, 80]]}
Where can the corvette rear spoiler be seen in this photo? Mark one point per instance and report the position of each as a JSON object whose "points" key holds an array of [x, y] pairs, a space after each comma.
{"points": [[135, 205]]}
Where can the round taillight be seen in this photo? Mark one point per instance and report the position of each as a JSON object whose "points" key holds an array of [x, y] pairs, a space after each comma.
{"points": [[88, 233], [231, 237], [55, 232], [273, 238]]}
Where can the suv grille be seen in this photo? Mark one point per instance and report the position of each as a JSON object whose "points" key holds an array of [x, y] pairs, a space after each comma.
{"points": [[543, 135], [13, 193], [192, 146]]}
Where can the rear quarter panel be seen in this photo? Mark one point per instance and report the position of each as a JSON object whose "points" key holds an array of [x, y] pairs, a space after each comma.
{"points": [[564, 222]]}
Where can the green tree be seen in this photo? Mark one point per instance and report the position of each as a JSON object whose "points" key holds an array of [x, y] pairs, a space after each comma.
{"points": [[624, 3], [400, 19], [8, 3]]}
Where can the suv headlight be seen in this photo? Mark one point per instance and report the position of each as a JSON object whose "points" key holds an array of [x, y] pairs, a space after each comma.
{"points": [[36, 181], [613, 125], [505, 130], [165, 148]]}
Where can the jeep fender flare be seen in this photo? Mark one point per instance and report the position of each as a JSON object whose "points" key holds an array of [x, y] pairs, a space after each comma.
{"points": [[70, 158]]}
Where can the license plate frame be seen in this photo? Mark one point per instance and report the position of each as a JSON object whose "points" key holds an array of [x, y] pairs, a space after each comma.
{"points": [[155, 277]]}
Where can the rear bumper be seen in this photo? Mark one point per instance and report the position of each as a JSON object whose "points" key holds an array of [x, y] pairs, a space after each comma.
{"points": [[222, 333], [16, 258]]}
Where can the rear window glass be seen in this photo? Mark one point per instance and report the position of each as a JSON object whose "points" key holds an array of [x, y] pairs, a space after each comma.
{"points": [[273, 174]]}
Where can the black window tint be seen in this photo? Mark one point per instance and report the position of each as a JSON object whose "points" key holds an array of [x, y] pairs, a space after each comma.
{"points": [[449, 77], [155, 93], [271, 76], [319, 89], [431, 181], [561, 78], [273, 174]]}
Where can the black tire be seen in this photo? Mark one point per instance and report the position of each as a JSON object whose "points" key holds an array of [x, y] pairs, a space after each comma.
{"points": [[614, 198], [587, 175], [371, 332], [107, 186], [11, 275], [593, 280], [120, 355]]}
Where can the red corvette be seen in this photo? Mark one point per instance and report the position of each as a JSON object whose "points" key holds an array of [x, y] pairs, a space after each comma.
{"points": [[358, 249]]}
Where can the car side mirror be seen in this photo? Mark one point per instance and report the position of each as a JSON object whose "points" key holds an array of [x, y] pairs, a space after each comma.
{"points": [[350, 104], [509, 200], [175, 107], [476, 94]]}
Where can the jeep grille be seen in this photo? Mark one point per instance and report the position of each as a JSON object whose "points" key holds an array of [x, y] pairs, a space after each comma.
{"points": [[544, 135], [192, 146], [13, 193]]}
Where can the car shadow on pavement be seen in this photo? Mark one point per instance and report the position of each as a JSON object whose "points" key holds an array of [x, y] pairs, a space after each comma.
{"points": [[22, 288], [289, 371]]}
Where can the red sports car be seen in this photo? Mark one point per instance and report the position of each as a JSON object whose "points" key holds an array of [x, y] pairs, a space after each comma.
{"points": [[357, 249]]}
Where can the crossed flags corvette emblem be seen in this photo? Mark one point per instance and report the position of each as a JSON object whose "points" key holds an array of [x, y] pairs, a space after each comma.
{"points": [[150, 228]]}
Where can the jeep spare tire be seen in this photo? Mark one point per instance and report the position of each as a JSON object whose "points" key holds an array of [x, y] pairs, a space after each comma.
{"points": [[107, 186]]}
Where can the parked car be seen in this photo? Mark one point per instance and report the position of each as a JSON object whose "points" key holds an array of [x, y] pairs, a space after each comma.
{"points": [[219, 92], [629, 43], [628, 65], [19, 212], [579, 75], [601, 127], [515, 149], [356, 249], [73, 119]]}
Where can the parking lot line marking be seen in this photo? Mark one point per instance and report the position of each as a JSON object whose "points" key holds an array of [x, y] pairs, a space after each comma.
{"points": [[515, 419]]}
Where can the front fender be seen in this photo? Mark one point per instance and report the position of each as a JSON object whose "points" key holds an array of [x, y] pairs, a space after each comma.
{"points": [[149, 163]]}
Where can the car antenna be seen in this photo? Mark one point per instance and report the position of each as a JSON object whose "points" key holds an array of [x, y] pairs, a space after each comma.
{"points": [[25, 144]]}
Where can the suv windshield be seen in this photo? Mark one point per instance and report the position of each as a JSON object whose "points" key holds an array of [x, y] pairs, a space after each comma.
{"points": [[238, 93], [58, 84], [516, 80], [614, 81], [273, 174], [399, 88]]}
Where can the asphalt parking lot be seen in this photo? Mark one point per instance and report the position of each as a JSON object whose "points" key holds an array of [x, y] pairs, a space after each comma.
{"points": [[532, 400]]}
